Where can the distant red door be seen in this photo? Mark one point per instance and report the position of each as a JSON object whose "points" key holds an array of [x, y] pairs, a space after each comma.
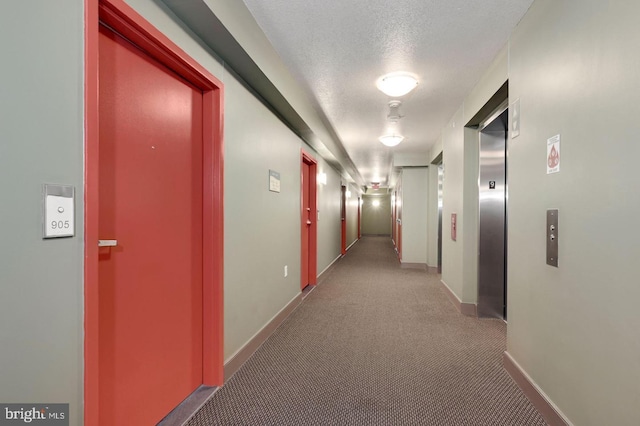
{"points": [[151, 202], [343, 217], [393, 219], [399, 222], [306, 225], [359, 217], [308, 221]]}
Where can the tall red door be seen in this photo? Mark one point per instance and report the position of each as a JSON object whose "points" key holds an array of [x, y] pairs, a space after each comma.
{"points": [[308, 221], [359, 217], [393, 219], [399, 222], [150, 208], [343, 218], [306, 225]]}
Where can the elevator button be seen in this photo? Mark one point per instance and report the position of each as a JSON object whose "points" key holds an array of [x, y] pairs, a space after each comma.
{"points": [[552, 237]]}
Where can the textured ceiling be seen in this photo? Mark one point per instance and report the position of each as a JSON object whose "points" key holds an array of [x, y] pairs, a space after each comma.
{"points": [[337, 49]]}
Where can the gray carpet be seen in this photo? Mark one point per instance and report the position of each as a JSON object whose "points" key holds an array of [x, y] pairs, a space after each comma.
{"points": [[375, 344]]}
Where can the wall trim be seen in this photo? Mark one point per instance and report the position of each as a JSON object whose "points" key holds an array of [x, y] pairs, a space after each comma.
{"points": [[325, 272], [189, 407], [466, 309], [552, 415], [351, 245], [410, 265], [233, 364]]}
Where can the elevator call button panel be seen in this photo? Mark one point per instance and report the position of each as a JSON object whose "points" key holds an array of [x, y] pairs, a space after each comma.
{"points": [[552, 237]]}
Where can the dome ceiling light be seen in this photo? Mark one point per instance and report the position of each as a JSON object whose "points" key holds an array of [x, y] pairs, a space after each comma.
{"points": [[397, 84], [391, 140]]}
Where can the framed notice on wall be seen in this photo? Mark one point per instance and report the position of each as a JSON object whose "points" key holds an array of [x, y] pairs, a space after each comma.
{"points": [[274, 181], [553, 154], [454, 226]]}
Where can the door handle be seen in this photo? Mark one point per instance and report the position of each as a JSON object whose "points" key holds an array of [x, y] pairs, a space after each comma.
{"points": [[308, 222], [107, 243]]}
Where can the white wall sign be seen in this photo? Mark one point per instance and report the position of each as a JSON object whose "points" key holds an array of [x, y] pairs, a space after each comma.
{"points": [[515, 119], [59, 216], [274, 181], [553, 154]]}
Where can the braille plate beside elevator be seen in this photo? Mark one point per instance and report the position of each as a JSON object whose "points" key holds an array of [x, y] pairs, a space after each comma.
{"points": [[552, 237]]}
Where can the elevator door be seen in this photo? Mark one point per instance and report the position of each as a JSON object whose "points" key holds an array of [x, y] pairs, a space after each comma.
{"points": [[492, 285], [440, 202]]}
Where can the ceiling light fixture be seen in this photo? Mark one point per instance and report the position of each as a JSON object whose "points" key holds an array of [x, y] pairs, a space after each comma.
{"points": [[397, 83], [391, 140]]}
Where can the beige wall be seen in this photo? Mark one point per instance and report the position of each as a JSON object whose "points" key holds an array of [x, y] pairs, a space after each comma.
{"points": [[453, 190], [573, 329], [262, 228], [41, 141], [329, 223], [352, 214], [415, 191], [432, 217], [376, 220]]}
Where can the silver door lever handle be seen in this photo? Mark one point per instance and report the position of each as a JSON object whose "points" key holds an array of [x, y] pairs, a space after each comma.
{"points": [[107, 243]]}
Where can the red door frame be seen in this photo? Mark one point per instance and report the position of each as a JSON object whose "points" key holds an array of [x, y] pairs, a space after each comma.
{"points": [[343, 217], [399, 223], [359, 214], [125, 21], [306, 158], [393, 219]]}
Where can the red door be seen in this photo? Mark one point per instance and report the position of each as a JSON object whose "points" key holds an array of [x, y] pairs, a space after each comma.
{"points": [[393, 219], [151, 203], [359, 217], [308, 221], [399, 222], [343, 216], [306, 224]]}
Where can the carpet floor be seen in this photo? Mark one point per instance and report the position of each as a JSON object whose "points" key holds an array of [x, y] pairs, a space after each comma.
{"points": [[375, 344]]}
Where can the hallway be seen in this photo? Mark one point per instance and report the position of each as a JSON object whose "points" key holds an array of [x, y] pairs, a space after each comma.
{"points": [[375, 344]]}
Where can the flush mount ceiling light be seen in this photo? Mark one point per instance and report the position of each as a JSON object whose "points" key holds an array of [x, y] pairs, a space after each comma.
{"points": [[397, 83], [391, 140]]}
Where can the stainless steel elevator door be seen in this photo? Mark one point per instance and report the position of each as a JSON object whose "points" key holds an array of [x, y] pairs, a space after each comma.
{"points": [[440, 198], [492, 213]]}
